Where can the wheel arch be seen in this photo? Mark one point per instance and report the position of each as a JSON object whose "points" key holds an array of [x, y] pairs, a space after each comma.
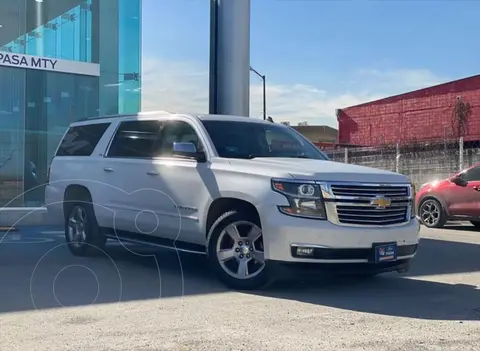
{"points": [[224, 204], [75, 192]]}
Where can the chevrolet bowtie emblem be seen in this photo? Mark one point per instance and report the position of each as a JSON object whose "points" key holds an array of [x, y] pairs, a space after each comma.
{"points": [[381, 202]]}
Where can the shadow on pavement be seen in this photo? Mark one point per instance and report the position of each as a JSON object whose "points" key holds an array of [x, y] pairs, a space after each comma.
{"points": [[39, 276], [445, 257], [393, 295], [458, 226], [387, 295]]}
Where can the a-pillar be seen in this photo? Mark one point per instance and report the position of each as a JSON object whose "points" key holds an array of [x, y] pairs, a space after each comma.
{"points": [[230, 57]]}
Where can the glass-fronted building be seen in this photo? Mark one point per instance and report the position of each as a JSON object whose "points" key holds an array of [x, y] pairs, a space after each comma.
{"points": [[60, 61]]}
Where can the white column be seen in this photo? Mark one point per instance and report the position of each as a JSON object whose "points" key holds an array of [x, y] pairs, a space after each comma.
{"points": [[230, 57]]}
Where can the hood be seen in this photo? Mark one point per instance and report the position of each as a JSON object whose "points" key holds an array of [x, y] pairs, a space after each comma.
{"points": [[435, 183], [308, 169]]}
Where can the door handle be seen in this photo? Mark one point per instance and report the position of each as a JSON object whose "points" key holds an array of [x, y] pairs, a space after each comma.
{"points": [[153, 173], [108, 169]]}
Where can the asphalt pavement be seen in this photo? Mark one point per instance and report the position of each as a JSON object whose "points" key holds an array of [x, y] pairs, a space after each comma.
{"points": [[136, 298]]}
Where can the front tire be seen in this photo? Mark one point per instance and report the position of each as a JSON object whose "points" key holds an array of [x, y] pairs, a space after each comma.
{"points": [[235, 251], [432, 214], [82, 233]]}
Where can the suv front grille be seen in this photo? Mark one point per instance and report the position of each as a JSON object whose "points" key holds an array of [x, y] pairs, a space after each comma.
{"points": [[354, 204], [369, 190], [369, 215]]}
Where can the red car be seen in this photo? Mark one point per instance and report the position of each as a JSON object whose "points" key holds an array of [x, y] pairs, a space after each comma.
{"points": [[454, 198]]}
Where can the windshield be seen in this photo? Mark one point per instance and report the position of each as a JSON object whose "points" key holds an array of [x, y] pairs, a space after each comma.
{"points": [[250, 140]]}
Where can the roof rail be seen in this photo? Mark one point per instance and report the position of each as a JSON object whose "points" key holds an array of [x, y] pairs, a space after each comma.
{"points": [[99, 117], [154, 112], [124, 115], [93, 118]]}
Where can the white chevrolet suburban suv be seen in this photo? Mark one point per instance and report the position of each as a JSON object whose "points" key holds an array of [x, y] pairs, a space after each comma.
{"points": [[257, 198]]}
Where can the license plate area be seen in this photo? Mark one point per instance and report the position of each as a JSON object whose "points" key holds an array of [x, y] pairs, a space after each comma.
{"points": [[385, 252]]}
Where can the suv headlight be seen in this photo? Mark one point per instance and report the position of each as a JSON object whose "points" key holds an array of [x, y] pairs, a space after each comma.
{"points": [[305, 199]]}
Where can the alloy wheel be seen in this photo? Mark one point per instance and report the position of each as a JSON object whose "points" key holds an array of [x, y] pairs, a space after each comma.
{"points": [[239, 250], [77, 226], [430, 213]]}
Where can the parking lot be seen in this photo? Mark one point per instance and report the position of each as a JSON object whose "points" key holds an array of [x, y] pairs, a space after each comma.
{"points": [[130, 299]]}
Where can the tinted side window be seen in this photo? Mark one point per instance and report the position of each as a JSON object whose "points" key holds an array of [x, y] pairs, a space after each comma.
{"points": [[250, 139], [135, 139], [279, 142], [177, 131], [81, 140], [472, 175]]}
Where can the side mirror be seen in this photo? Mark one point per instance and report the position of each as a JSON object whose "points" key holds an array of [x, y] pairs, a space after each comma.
{"points": [[188, 150], [459, 181]]}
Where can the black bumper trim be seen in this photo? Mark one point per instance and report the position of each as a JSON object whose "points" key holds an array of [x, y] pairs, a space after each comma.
{"points": [[351, 254]]}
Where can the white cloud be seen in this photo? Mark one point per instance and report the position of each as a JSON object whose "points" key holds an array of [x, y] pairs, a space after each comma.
{"points": [[184, 87], [299, 103], [174, 86], [404, 79]]}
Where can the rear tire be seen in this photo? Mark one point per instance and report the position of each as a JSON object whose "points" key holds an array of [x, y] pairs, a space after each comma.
{"points": [[432, 214], [235, 251], [82, 233]]}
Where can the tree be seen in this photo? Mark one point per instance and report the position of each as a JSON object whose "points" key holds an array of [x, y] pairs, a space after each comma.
{"points": [[461, 111]]}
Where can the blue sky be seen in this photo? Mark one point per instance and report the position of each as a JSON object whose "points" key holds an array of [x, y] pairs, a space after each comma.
{"points": [[317, 55]]}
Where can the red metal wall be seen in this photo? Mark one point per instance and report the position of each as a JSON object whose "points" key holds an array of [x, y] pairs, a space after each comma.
{"points": [[324, 145], [419, 115]]}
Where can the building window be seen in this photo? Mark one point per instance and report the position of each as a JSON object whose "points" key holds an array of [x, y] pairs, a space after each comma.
{"points": [[37, 106]]}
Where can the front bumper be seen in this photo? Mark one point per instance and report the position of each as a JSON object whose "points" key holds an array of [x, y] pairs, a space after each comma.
{"points": [[332, 243]]}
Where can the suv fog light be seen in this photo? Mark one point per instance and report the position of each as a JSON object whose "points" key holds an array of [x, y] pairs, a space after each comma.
{"points": [[304, 251]]}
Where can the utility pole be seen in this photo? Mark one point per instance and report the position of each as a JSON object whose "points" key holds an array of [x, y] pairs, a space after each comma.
{"points": [[263, 78]]}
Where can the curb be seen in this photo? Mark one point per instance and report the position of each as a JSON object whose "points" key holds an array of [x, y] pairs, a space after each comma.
{"points": [[6, 229]]}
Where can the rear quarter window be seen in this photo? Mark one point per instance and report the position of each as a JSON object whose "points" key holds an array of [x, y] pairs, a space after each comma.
{"points": [[81, 140]]}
